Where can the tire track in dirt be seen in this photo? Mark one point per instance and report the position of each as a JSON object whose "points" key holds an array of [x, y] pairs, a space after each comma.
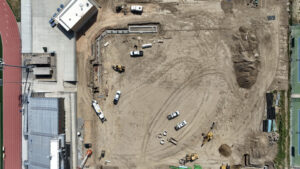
{"points": [[152, 78], [178, 91], [185, 133]]}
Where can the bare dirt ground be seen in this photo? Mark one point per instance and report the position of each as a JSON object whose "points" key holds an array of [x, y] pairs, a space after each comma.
{"points": [[191, 71]]}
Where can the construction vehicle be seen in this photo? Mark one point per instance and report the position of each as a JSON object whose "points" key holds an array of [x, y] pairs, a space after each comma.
{"points": [[87, 155], [119, 68], [98, 111], [102, 155], [191, 157], [209, 135], [223, 166]]}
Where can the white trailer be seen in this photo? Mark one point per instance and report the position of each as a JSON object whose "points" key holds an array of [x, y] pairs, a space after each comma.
{"points": [[98, 110]]}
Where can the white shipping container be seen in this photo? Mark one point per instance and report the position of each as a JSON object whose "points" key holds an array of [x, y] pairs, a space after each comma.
{"points": [[148, 45]]}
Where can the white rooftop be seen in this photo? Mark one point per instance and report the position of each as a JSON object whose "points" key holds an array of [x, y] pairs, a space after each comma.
{"points": [[73, 12], [54, 153]]}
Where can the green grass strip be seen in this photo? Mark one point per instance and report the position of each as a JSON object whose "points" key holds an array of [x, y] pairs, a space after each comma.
{"points": [[16, 9]]}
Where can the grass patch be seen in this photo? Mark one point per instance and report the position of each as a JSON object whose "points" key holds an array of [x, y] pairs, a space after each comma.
{"points": [[283, 133], [15, 6]]}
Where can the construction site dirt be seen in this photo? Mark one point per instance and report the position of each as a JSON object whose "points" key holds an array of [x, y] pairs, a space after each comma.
{"points": [[212, 61]]}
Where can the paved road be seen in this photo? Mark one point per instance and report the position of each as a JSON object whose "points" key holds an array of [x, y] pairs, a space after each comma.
{"points": [[11, 91]]}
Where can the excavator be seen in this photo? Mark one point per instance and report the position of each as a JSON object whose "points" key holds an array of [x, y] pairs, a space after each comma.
{"points": [[87, 155], [119, 68], [223, 166], [209, 135], [191, 157]]}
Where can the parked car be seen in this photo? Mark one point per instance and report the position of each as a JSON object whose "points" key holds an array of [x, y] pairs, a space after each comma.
{"points": [[136, 9], [180, 125], [53, 24], [173, 115], [117, 97], [51, 20], [136, 53]]}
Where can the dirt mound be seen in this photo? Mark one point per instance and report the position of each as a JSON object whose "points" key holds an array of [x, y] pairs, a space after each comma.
{"points": [[225, 150], [227, 6], [246, 57], [236, 166]]}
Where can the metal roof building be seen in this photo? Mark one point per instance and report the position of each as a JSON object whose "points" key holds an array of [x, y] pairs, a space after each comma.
{"points": [[45, 133], [75, 14]]}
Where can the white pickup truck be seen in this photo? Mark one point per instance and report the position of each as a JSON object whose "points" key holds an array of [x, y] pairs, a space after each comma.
{"points": [[136, 9], [98, 110]]}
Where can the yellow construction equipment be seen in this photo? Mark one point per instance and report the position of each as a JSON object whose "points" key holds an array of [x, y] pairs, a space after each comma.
{"points": [[223, 166], [119, 68], [191, 157], [209, 135]]}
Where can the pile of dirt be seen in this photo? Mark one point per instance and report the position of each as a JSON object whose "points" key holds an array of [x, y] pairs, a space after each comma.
{"points": [[227, 6], [236, 167], [225, 150], [259, 146], [246, 57]]}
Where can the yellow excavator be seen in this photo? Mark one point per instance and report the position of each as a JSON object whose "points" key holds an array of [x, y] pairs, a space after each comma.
{"points": [[119, 68], [223, 166], [191, 157], [208, 136]]}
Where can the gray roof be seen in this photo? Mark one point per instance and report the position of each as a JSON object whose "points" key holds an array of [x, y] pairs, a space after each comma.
{"points": [[43, 123], [26, 30], [43, 116]]}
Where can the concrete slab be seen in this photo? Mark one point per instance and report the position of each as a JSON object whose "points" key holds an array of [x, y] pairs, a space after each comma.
{"points": [[55, 39]]}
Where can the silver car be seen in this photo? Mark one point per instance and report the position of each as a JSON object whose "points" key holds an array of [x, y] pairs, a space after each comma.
{"points": [[180, 125], [173, 115]]}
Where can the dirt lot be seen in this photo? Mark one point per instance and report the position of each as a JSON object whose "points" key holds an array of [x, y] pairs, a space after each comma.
{"points": [[194, 71]]}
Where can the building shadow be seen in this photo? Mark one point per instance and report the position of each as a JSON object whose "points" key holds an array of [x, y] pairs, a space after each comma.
{"points": [[68, 34], [86, 26]]}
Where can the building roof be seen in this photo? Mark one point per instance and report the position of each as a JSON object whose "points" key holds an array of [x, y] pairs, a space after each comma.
{"points": [[73, 12], [39, 60], [42, 71], [54, 153], [43, 122], [26, 26]]}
